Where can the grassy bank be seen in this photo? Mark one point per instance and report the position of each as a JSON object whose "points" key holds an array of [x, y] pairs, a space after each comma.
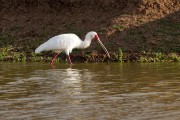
{"points": [[12, 54]]}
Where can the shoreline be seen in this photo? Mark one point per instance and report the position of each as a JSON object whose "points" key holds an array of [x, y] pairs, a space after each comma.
{"points": [[141, 31], [9, 54]]}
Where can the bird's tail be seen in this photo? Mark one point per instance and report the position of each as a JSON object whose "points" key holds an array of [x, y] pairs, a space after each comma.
{"points": [[40, 48]]}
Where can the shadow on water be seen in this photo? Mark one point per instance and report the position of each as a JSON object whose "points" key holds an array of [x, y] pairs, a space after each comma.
{"points": [[95, 91]]}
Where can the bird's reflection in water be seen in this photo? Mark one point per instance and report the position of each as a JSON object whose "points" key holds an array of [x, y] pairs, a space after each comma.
{"points": [[69, 84]]}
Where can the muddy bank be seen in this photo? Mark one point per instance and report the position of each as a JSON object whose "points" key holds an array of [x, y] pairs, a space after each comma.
{"points": [[8, 54], [133, 26]]}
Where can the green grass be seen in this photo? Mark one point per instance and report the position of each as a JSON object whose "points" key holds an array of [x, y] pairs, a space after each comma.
{"points": [[119, 55], [159, 57], [8, 54]]}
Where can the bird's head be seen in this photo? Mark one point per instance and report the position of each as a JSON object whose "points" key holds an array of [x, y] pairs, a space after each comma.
{"points": [[91, 35], [94, 35]]}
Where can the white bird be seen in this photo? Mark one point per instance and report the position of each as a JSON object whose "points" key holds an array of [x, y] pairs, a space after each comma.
{"points": [[67, 42]]}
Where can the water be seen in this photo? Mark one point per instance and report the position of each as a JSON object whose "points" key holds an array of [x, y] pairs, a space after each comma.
{"points": [[90, 91]]}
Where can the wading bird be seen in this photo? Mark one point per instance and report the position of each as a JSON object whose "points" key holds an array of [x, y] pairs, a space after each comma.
{"points": [[67, 42]]}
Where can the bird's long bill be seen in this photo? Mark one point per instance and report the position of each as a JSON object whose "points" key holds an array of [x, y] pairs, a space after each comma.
{"points": [[103, 47]]}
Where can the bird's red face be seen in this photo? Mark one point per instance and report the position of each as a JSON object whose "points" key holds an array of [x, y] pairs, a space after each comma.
{"points": [[96, 37]]}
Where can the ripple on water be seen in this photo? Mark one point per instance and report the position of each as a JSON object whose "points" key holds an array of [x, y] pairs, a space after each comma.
{"points": [[90, 91]]}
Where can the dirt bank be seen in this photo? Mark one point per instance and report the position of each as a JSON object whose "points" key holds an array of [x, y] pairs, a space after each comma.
{"points": [[132, 25]]}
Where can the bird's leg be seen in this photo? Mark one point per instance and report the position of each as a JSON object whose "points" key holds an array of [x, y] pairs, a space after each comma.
{"points": [[69, 59], [54, 58]]}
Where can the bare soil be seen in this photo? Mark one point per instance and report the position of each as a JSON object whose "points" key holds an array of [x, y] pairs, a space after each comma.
{"points": [[132, 25]]}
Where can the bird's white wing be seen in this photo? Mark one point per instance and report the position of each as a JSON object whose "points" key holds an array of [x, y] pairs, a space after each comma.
{"points": [[63, 42]]}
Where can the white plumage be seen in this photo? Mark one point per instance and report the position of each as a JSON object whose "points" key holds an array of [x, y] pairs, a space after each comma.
{"points": [[67, 42]]}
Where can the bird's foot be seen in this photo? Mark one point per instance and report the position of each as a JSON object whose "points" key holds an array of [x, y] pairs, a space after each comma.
{"points": [[52, 65]]}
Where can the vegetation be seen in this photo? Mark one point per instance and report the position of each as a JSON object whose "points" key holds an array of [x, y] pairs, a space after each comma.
{"points": [[119, 55], [8, 54]]}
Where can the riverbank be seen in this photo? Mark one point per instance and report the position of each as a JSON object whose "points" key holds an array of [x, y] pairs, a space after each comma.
{"points": [[7, 54], [144, 31]]}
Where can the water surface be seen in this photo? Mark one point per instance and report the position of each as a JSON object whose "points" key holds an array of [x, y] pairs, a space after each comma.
{"points": [[128, 91]]}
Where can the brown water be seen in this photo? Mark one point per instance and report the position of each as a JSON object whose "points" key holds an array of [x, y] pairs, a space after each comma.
{"points": [[90, 91]]}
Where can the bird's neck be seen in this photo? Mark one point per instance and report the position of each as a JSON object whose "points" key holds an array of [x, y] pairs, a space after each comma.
{"points": [[86, 43]]}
